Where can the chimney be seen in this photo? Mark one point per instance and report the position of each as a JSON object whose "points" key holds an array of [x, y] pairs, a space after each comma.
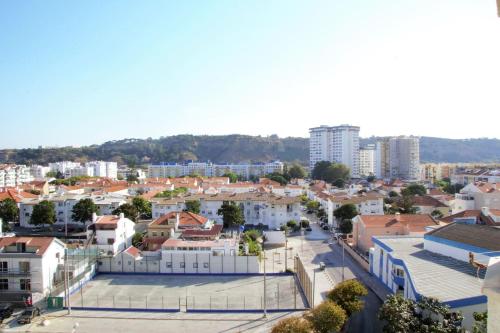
{"points": [[485, 211], [94, 217]]}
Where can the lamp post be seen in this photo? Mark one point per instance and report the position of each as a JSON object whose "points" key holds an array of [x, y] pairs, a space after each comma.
{"points": [[264, 305], [343, 265]]}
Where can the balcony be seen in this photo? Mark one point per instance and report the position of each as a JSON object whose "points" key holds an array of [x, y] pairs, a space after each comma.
{"points": [[14, 273]]}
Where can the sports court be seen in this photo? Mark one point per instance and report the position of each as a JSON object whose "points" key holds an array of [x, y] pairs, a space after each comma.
{"points": [[189, 292]]}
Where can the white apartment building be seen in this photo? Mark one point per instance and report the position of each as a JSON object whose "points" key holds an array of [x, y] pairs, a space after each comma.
{"points": [[29, 266], [12, 175], [113, 234], [269, 209], [335, 144], [398, 157], [63, 166], [367, 160], [208, 169], [477, 195], [38, 172], [64, 207], [90, 169]]}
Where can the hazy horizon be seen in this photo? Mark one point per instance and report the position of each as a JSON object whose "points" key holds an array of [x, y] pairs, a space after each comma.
{"points": [[82, 73]]}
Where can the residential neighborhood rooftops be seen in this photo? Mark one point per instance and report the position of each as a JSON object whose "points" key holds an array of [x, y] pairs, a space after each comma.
{"points": [[426, 200], [481, 236], [172, 242], [432, 274]]}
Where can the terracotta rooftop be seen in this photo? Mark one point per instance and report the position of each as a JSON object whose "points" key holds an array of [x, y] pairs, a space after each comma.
{"points": [[427, 201], [16, 195], [192, 233], [185, 219], [133, 251], [415, 222], [41, 243], [107, 219]]}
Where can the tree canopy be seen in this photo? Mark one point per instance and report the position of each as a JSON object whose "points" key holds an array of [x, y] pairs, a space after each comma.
{"points": [[348, 295], [277, 177], [233, 178], [232, 214], [128, 210], [83, 210], [296, 171], [193, 206], [346, 212], [327, 317], [9, 212], [143, 207], [43, 213], [414, 189], [427, 315], [330, 171]]}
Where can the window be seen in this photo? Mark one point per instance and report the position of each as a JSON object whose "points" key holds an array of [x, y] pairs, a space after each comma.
{"points": [[24, 266], [21, 247], [205, 265], [129, 262], [154, 233], [111, 241], [169, 264], [25, 284], [182, 265], [195, 265], [4, 266], [4, 284]]}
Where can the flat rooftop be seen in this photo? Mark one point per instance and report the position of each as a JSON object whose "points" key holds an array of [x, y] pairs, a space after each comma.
{"points": [[435, 275]]}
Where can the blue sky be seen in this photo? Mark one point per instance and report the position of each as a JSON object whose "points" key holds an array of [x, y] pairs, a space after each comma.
{"points": [[84, 72]]}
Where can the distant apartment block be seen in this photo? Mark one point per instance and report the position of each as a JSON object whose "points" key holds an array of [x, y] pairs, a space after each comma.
{"points": [[367, 160], [90, 169], [335, 144], [398, 157], [12, 175], [208, 169]]}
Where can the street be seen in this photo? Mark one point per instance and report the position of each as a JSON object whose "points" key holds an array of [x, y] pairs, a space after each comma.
{"points": [[317, 249]]}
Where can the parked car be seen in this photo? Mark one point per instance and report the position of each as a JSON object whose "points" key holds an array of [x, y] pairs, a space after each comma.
{"points": [[28, 315], [6, 310], [326, 227], [308, 229]]}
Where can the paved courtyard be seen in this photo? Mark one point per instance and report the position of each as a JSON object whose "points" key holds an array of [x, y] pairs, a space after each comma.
{"points": [[200, 292]]}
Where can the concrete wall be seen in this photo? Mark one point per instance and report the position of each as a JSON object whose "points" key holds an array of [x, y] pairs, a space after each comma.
{"points": [[180, 263]]}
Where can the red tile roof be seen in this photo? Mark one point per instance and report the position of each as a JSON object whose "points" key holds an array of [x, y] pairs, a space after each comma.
{"points": [[195, 233], [415, 222], [133, 251], [186, 219], [108, 219], [427, 201], [16, 195], [41, 243]]}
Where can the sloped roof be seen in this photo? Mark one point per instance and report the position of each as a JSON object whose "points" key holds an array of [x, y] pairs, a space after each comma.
{"points": [[415, 222], [483, 236], [42, 243]]}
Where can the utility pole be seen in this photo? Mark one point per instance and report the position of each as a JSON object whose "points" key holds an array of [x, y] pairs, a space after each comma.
{"points": [[314, 287], [343, 264], [286, 247], [264, 303], [66, 280]]}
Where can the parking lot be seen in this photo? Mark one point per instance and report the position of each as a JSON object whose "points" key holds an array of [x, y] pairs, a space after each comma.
{"points": [[189, 292]]}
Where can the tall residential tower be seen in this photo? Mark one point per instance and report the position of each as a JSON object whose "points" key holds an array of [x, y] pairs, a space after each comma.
{"points": [[335, 144]]}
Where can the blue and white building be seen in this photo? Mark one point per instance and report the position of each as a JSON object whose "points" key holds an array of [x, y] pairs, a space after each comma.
{"points": [[442, 264]]}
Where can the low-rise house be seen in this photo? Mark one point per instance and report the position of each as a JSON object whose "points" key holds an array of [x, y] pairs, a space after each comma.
{"points": [[475, 216], [365, 227], [426, 205], [476, 196], [30, 267], [445, 263], [491, 289], [113, 234]]}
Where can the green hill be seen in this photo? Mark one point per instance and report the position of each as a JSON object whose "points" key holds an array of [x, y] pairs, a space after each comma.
{"points": [[237, 148]]}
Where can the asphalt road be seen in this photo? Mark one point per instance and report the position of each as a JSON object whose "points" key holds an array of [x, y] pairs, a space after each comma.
{"points": [[331, 255]]}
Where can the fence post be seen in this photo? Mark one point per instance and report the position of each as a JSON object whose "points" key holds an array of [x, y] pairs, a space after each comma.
{"points": [[244, 303], [129, 302], [227, 302], [278, 298], [162, 303], [194, 303], [180, 303], [146, 302], [114, 301], [210, 303]]}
